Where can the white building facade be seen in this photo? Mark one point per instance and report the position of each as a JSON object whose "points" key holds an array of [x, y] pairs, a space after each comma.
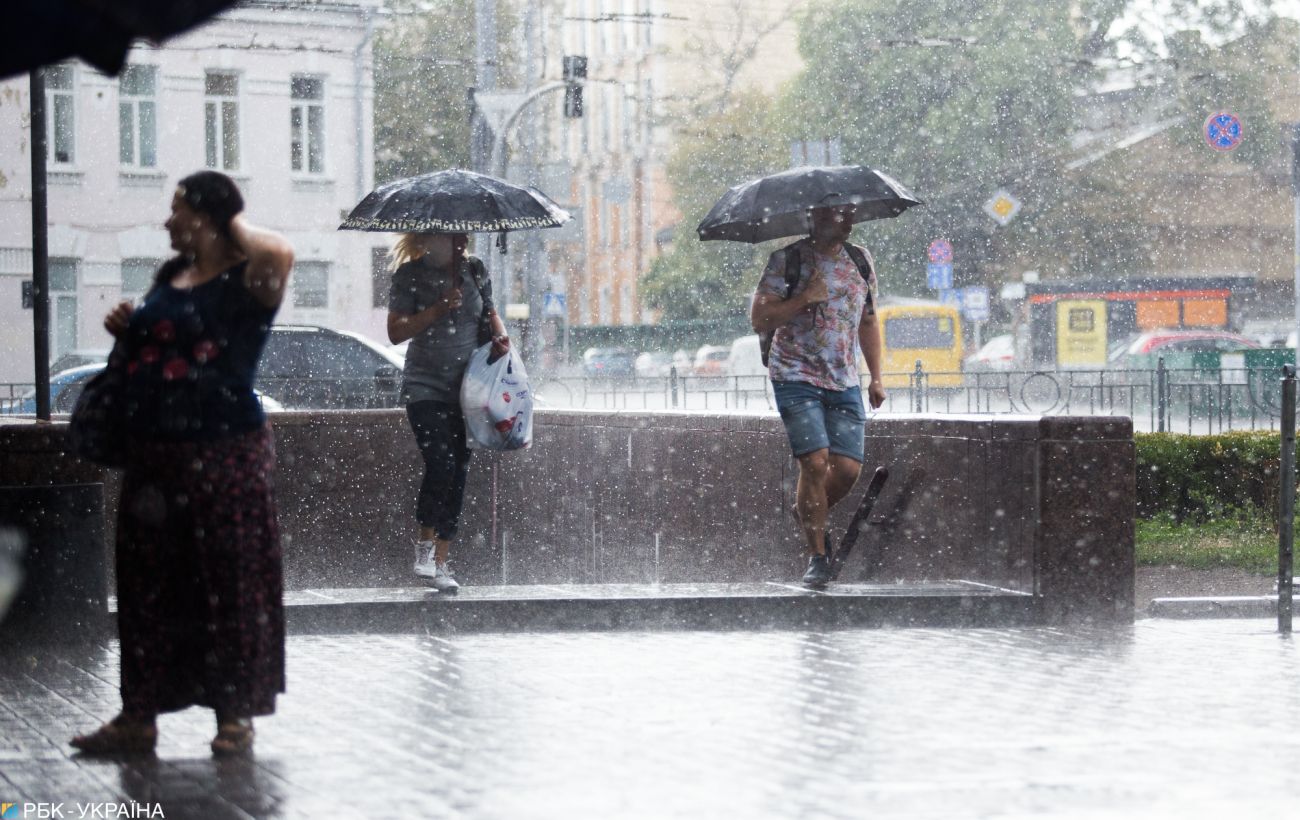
{"points": [[277, 95]]}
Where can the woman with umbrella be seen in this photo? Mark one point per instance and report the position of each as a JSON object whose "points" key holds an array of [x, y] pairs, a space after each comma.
{"points": [[441, 301]]}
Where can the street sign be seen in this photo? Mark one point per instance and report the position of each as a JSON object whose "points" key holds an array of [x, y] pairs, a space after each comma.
{"points": [[938, 276], [497, 106], [975, 303], [554, 304], [948, 296], [1002, 206], [1223, 131], [940, 251]]}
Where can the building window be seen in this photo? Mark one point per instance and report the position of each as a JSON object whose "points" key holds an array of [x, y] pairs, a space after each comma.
{"points": [[381, 277], [221, 120], [626, 313], [63, 305], [629, 114], [606, 305], [61, 120], [606, 102], [137, 276], [137, 116], [307, 125], [311, 285]]}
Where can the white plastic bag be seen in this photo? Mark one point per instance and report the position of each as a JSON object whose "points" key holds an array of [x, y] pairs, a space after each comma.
{"points": [[497, 402]]}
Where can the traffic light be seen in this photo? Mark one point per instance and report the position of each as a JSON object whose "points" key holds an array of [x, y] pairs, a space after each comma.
{"points": [[575, 74]]}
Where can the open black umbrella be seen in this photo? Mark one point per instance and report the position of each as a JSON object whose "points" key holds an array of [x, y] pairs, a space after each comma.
{"points": [[454, 202], [40, 32], [778, 205]]}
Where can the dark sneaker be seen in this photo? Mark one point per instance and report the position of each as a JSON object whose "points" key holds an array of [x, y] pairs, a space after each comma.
{"points": [[819, 571]]}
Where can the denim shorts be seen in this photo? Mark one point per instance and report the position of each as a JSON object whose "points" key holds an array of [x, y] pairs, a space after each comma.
{"points": [[818, 419]]}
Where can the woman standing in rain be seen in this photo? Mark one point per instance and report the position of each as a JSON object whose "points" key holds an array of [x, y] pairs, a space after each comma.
{"points": [[441, 300], [199, 578]]}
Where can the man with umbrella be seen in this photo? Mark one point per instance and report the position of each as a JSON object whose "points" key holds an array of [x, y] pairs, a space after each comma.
{"points": [[817, 331], [815, 307]]}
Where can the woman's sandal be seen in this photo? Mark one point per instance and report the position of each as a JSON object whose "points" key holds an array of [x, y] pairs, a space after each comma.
{"points": [[233, 737], [118, 736]]}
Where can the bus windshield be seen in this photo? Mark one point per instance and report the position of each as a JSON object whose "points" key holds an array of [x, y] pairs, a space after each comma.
{"points": [[918, 332]]}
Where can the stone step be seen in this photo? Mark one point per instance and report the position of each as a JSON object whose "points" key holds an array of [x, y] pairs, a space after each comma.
{"points": [[656, 606], [1239, 606]]}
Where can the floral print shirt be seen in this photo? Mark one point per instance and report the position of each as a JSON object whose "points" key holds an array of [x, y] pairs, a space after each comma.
{"points": [[819, 346]]}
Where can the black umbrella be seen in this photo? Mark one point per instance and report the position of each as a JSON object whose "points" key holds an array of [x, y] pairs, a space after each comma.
{"points": [[454, 202], [40, 32], [778, 205]]}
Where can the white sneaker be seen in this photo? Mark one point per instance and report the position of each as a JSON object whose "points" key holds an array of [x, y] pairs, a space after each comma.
{"points": [[443, 580], [424, 562]]}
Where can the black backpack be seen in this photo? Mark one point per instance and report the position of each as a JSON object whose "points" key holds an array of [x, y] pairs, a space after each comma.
{"points": [[794, 259]]}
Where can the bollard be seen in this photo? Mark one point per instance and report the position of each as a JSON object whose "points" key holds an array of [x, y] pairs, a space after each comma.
{"points": [[1286, 505], [672, 384], [919, 376], [1162, 405]]}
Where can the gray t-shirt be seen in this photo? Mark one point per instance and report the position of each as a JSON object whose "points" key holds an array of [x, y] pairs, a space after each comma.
{"points": [[436, 358]]}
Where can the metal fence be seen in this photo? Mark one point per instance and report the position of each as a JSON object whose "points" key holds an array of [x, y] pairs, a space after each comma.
{"points": [[1184, 399]]}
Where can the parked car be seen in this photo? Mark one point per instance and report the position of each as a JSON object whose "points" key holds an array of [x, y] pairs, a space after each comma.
{"points": [[653, 364], [66, 387], [745, 363], [77, 358], [996, 355], [609, 362], [1155, 342], [711, 360], [315, 368], [682, 361]]}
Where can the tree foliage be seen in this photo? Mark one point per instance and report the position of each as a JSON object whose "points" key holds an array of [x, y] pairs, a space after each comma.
{"points": [[424, 68], [696, 280], [958, 99]]}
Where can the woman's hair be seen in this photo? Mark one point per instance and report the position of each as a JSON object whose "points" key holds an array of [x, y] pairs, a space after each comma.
{"points": [[212, 194], [410, 246]]}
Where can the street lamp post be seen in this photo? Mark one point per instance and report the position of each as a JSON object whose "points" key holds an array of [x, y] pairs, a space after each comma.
{"points": [[498, 161], [40, 248]]}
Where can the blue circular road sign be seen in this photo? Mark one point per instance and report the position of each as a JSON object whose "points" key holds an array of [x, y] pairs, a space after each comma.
{"points": [[1223, 131]]}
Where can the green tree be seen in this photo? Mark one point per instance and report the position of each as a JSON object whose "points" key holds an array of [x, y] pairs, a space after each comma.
{"points": [[709, 280], [424, 68], [957, 99]]}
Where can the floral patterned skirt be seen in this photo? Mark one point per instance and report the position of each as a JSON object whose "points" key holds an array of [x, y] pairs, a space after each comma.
{"points": [[199, 577]]}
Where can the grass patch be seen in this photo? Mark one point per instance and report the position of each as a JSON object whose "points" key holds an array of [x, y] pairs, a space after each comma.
{"points": [[1247, 543]]}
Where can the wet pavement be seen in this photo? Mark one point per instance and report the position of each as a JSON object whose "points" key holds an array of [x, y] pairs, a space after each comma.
{"points": [[1165, 718]]}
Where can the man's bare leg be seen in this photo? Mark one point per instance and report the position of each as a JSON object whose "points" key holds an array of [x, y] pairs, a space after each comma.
{"points": [[810, 498], [841, 478]]}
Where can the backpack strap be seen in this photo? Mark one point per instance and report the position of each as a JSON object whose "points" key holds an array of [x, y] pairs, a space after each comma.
{"points": [[478, 272], [862, 258], [866, 267], [796, 254]]}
